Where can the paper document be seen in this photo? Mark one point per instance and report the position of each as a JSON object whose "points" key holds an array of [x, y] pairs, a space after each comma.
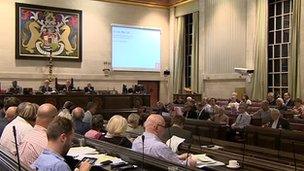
{"points": [[203, 160], [215, 147], [174, 142], [78, 151], [100, 158]]}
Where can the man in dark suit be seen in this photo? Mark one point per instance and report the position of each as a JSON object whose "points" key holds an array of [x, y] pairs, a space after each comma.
{"points": [[203, 110], [177, 129], [15, 88], [80, 126], [89, 89], [46, 87], [289, 103], [277, 121], [190, 111]]}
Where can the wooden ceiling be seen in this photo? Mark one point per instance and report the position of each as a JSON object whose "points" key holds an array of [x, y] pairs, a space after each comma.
{"points": [[151, 3]]}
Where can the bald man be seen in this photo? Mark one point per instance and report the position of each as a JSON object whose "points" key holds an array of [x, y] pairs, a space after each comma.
{"points": [[153, 146], [36, 140], [80, 126], [10, 113]]}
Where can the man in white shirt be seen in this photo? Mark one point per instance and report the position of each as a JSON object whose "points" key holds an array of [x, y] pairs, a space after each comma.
{"points": [[91, 110]]}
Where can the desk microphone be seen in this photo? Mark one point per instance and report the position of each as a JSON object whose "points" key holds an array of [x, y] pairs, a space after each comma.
{"points": [[199, 138], [210, 133], [294, 156], [17, 151], [170, 137], [279, 147], [143, 151], [244, 146], [188, 152]]}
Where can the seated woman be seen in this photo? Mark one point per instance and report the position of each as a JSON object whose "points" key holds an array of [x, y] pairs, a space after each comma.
{"points": [[134, 129], [97, 128], [116, 128], [298, 109], [220, 116], [245, 99]]}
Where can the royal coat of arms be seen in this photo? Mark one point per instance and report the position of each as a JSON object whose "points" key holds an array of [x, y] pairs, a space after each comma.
{"points": [[42, 31]]}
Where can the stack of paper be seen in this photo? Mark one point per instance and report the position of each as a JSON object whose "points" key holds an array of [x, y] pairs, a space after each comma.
{"points": [[203, 160], [77, 151]]}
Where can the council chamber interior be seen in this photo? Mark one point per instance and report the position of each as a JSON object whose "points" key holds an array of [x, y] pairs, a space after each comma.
{"points": [[151, 85]]}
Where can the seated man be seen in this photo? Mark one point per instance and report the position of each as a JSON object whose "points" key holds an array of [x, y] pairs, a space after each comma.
{"points": [[280, 105], [203, 110], [263, 113], [278, 121], [153, 146], [271, 99], [91, 110], [189, 111], [289, 103], [177, 129], [220, 116], [35, 141], [10, 115], [60, 135], [89, 89], [160, 108], [80, 126], [15, 89], [243, 119], [45, 88]]}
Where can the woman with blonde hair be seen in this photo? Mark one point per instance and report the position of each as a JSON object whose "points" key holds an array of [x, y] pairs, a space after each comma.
{"points": [[116, 128]]}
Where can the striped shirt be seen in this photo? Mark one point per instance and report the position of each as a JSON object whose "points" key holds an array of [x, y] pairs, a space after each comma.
{"points": [[32, 145], [7, 138]]}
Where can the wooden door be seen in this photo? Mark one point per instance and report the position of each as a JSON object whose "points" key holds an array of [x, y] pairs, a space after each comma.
{"points": [[152, 88]]}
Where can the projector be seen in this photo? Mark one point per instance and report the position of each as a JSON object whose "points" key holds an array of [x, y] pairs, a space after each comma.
{"points": [[243, 71]]}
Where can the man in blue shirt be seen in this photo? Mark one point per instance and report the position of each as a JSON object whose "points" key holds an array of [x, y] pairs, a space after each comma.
{"points": [[153, 146], [60, 134]]}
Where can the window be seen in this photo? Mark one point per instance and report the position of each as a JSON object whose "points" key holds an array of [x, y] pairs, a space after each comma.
{"points": [[188, 49], [279, 36]]}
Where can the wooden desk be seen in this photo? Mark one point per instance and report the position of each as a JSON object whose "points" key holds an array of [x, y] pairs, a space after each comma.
{"points": [[250, 163], [107, 104], [268, 138], [196, 97]]}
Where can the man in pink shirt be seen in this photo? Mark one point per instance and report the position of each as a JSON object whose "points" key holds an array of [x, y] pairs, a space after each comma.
{"points": [[35, 141]]}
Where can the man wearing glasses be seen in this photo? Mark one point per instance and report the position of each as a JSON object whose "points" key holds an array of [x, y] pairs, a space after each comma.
{"points": [[153, 146]]}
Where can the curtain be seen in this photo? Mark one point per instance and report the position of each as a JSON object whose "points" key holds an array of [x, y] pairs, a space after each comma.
{"points": [[294, 76], [178, 69], [259, 84], [195, 55]]}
